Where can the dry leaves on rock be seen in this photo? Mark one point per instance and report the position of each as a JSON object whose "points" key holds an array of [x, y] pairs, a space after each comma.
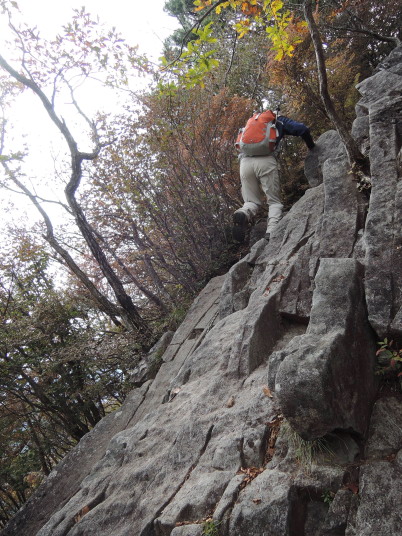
{"points": [[274, 427], [251, 473]]}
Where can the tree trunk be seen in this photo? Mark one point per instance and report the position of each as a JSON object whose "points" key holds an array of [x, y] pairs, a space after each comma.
{"points": [[129, 312], [101, 301], [357, 160], [46, 468]]}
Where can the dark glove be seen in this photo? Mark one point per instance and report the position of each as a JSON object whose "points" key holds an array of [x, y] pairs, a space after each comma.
{"points": [[308, 140]]}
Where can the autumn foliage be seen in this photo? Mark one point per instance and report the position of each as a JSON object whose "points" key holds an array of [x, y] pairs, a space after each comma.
{"points": [[175, 185]]}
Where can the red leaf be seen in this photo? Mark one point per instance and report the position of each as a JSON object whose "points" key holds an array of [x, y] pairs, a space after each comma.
{"points": [[354, 488]]}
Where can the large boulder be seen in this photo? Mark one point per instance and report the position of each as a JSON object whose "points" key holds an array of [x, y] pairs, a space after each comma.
{"points": [[326, 378], [328, 145], [383, 231], [382, 102]]}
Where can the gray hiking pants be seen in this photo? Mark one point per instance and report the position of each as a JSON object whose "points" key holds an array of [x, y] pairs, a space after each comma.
{"points": [[259, 175]]}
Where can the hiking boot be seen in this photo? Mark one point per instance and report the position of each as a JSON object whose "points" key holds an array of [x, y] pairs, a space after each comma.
{"points": [[240, 222]]}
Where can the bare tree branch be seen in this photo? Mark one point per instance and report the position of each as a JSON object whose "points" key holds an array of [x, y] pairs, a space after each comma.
{"points": [[364, 31], [104, 304], [129, 311]]}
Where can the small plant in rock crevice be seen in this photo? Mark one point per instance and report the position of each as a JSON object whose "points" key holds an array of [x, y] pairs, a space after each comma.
{"points": [[306, 452], [210, 528], [389, 359], [328, 496]]}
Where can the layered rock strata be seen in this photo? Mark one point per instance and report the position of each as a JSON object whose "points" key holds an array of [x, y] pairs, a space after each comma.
{"points": [[264, 418]]}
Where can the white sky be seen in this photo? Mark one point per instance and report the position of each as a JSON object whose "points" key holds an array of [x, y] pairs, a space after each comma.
{"points": [[141, 22]]}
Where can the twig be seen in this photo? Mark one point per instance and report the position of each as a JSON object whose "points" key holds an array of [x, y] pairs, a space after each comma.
{"points": [[368, 33], [231, 59]]}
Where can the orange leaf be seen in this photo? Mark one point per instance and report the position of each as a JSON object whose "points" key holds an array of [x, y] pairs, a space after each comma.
{"points": [[267, 391]]}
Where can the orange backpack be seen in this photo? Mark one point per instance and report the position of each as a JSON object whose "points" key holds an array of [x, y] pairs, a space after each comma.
{"points": [[258, 137]]}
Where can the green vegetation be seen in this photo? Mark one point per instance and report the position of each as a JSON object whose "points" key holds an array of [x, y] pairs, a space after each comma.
{"points": [[389, 359], [306, 452], [210, 528], [328, 497]]}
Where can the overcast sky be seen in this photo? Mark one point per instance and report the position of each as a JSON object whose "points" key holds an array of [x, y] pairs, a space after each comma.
{"points": [[141, 22]]}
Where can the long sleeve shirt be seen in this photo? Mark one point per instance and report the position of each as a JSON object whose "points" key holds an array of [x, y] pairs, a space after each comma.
{"points": [[290, 127]]}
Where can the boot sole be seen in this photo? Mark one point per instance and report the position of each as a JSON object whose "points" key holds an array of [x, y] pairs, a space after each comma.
{"points": [[239, 226]]}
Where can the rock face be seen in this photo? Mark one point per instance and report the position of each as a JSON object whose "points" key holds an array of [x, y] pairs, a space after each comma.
{"points": [[263, 419], [325, 380]]}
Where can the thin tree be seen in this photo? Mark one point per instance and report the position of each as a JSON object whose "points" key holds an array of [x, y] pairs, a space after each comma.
{"points": [[360, 163], [126, 309]]}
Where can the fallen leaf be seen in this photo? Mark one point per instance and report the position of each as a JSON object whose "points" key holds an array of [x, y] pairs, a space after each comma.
{"points": [[81, 514], [354, 488], [230, 403], [267, 391]]}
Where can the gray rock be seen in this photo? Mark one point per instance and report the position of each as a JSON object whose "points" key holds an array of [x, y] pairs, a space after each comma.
{"points": [[316, 512], [328, 145], [385, 432], [263, 507], [386, 82], [223, 509], [393, 62], [344, 210], [325, 380], [351, 526], [236, 292], [200, 317], [361, 132], [188, 530], [383, 231], [379, 510], [195, 500], [338, 514]]}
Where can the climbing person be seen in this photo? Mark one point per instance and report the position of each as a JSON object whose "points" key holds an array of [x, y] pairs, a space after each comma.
{"points": [[258, 145]]}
